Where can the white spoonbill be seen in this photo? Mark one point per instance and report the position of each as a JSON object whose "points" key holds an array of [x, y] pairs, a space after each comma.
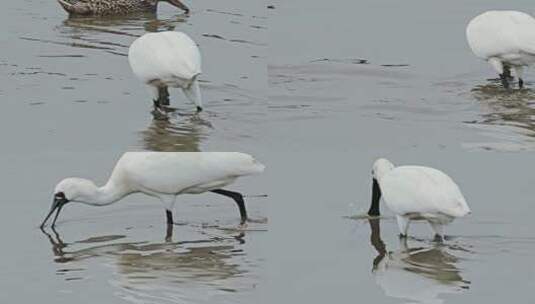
{"points": [[506, 39], [163, 175], [414, 193], [167, 59]]}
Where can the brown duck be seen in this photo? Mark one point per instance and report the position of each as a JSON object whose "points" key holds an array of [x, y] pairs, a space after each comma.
{"points": [[115, 7]]}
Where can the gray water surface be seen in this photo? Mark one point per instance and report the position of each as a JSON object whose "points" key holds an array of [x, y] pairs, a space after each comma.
{"points": [[316, 90], [354, 81], [71, 107]]}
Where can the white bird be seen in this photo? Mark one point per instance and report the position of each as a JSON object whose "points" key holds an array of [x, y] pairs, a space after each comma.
{"points": [[414, 193], [163, 175], [167, 59], [506, 39]]}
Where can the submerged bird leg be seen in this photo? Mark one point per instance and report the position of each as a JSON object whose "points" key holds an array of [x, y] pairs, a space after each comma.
{"points": [[507, 72], [439, 231], [163, 96], [519, 72], [438, 238], [505, 81], [169, 233], [506, 76], [238, 198]]}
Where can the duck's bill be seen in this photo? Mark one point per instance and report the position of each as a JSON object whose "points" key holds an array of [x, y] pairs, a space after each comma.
{"points": [[56, 205], [179, 4]]}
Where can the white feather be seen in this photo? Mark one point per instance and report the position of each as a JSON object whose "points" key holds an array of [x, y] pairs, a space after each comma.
{"points": [[505, 36], [182, 172], [162, 174], [415, 189], [167, 59], [165, 56], [416, 192]]}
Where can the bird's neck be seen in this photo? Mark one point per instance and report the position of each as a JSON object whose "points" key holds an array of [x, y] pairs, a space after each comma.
{"points": [[105, 195]]}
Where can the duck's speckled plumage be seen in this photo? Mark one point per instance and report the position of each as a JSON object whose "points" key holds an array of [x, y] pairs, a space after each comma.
{"points": [[113, 7]]}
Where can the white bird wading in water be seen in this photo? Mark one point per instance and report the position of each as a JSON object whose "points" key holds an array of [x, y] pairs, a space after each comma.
{"points": [[415, 193], [163, 175], [506, 39], [167, 59]]}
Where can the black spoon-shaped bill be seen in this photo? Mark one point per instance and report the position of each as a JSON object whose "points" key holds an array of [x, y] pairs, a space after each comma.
{"points": [[376, 197], [59, 201]]}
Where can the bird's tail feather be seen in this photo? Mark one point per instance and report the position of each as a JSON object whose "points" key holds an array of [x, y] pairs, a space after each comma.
{"points": [[74, 7], [66, 6]]}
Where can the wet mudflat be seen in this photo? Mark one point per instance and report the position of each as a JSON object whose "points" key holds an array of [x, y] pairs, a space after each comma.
{"points": [[71, 107], [351, 82]]}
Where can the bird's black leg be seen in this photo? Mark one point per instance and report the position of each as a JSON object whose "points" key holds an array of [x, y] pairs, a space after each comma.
{"points": [[506, 76], [507, 72], [520, 83], [238, 198], [438, 238], [505, 81], [169, 216], [169, 233], [163, 97]]}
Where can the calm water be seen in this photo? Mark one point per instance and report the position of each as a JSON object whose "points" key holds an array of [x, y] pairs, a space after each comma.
{"points": [[71, 107], [331, 86], [353, 81]]}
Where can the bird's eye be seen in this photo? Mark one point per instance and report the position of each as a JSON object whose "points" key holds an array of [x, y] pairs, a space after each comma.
{"points": [[59, 195]]}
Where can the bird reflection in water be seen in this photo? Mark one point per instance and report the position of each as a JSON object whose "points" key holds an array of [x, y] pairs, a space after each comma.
{"points": [[502, 107], [420, 274], [111, 34], [145, 267], [173, 132], [124, 25]]}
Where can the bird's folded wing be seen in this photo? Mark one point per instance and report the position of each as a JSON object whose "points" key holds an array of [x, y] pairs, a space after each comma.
{"points": [[524, 32]]}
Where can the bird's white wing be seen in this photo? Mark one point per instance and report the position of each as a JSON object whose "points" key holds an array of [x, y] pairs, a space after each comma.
{"points": [[164, 55], [491, 34], [415, 189], [525, 31], [172, 172], [182, 57], [496, 33]]}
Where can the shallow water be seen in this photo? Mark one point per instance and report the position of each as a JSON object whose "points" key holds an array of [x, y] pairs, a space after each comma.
{"points": [[345, 83], [71, 107], [354, 81]]}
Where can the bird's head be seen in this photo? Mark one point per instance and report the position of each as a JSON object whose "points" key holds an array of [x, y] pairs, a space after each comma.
{"points": [[379, 169], [69, 190]]}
